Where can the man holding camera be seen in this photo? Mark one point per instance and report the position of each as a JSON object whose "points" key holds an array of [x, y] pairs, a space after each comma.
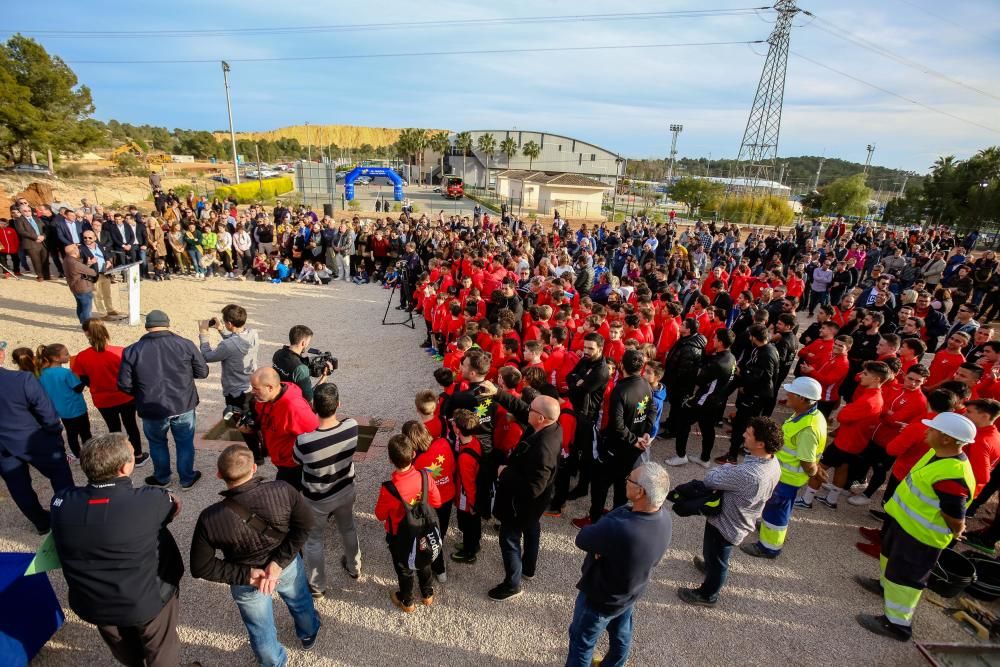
{"points": [[411, 266], [281, 415], [237, 352], [293, 367]]}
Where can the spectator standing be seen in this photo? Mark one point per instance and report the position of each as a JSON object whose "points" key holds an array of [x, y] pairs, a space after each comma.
{"points": [[622, 550], [281, 415], [10, 246], [326, 456], [91, 247], [237, 353], [822, 277], [31, 232], [586, 384], [260, 528], [121, 564], [65, 391], [159, 370], [525, 486], [31, 436], [292, 365], [100, 364], [757, 381], [745, 488]]}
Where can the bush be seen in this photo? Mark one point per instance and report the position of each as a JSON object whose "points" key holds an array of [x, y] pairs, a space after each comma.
{"points": [[354, 205], [768, 210], [252, 191], [70, 171]]}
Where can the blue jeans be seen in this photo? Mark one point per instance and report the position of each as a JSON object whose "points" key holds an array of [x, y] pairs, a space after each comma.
{"points": [[182, 428], [195, 255], [716, 552], [516, 561], [587, 627], [258, 613], [84, 306]]}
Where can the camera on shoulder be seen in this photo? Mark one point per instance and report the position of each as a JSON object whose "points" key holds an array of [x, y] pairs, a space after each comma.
{"points": [[237, 417]]}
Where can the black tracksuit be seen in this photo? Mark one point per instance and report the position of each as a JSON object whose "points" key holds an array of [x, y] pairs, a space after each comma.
{"points": [[758, 381], [586, 384], [680, 370], [715, 376], [631, 416]]}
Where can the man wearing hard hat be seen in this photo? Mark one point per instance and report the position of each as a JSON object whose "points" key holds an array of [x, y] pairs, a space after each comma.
{"points": [[926, 512], [804, 436]]}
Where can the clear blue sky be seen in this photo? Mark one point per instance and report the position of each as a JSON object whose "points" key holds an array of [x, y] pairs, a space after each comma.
{"points": [[622, 99]]}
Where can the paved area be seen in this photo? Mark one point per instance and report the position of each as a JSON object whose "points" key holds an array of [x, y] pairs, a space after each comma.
{"points": [[794, 611]]}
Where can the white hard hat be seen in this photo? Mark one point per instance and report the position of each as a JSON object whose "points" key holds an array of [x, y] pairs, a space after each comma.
{"points": [[805, 387], [953, 424]]}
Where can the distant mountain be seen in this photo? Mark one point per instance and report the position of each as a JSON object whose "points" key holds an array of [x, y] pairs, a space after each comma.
{"points": [[800, 172], [344, 136]]}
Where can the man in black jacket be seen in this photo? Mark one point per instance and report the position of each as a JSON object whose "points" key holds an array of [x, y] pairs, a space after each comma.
{"points": [[121, 564], [630, 423], [525, 486], [757, 381], [586, 393], [681, 368], [122, 240], [707, 403], [260, 528], [787, 347], [506, 299], [159, 369]]}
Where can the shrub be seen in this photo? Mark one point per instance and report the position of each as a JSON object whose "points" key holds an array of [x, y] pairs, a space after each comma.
{"points": [[354, 205], [252, 191]]}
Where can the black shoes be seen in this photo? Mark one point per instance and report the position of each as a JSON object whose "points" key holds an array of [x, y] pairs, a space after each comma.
{"points": [[152, 481], [194, 480], [462, 557], [753, 549], [141, 460], [504, 592], [692, 596], [880, 625], [309, 642]]}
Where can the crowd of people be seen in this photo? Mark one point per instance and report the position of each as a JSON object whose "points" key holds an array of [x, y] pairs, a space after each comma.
{"points": [[566, 353]]}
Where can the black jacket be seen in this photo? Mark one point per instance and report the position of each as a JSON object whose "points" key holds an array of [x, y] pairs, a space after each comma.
{"points": [[159, 369], [120, 561], [525, 487], [586, 383], [715, 377], [220, 528], [681, 366], [632, 414], [759, 375], [787, 346]]}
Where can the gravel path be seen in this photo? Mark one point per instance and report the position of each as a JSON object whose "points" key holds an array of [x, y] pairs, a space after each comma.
{"points": [[797, 610]]}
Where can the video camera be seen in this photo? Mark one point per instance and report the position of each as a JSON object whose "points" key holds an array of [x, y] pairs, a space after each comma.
{"points": [[320, 362], [237, 417]]}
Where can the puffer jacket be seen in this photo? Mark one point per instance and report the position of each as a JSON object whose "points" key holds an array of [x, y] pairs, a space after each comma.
{"points": [[159, 369], [681, 366], [242, 547]]}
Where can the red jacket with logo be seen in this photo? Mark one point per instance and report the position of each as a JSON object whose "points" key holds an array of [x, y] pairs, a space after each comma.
{"points": [[858, 420]]}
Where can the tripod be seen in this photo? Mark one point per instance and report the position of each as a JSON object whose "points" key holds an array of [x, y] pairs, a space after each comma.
{"points": [[409, 313]]}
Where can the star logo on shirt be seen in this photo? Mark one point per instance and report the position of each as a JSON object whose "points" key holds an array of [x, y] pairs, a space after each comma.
{"points": [[641, 407], [483, 408]]}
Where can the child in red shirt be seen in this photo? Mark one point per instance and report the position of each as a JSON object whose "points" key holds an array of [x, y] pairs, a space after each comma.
{"points": [[615, 347], [435, 456], [409, 483], [948, 360], [470, 453], [426, 403], [507, 431]]}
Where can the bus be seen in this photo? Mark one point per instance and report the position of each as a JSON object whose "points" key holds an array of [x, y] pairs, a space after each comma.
{"points": [[453, 187]]}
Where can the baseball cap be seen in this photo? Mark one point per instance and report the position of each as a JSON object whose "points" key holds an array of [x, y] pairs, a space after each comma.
{"points": [[954, 425], [807, 388], [157, 318]]}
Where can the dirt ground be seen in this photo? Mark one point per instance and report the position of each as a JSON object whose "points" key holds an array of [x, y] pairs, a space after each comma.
{"points": [[794, 611]]}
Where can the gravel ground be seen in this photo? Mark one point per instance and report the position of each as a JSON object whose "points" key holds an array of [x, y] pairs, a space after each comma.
{"points": [[796, 610]]}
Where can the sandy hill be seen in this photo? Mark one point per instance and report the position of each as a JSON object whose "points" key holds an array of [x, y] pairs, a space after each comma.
{"points": [[343, 136]]}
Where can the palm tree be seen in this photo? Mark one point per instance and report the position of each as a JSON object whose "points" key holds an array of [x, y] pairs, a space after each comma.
{"points": [[463, 142], [531, 150], [420, 140], [439, 143], [509, 148], [487, 143]]}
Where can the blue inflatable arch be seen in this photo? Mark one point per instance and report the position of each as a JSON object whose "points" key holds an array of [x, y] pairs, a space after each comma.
{"points": [[397, 182]]}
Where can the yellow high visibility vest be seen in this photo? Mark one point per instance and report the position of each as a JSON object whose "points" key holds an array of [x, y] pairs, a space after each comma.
{"points": [[788, 456], [915, 505]]}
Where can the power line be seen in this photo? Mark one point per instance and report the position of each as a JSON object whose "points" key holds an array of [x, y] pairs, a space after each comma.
{"points": [[417, 54], [833, 29], [894, 94], [409, 25]]}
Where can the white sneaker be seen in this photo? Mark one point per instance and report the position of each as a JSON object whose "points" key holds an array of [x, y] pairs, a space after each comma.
{"points": [[828, 486], [704, 464], [860, 500], [858, 487], [677, 461]]}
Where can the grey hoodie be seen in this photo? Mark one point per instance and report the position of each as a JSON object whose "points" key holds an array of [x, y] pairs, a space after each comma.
{"points": [[238, 354]]}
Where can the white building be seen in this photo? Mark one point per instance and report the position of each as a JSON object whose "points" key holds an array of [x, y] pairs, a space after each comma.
{"points": [[574, 196]]}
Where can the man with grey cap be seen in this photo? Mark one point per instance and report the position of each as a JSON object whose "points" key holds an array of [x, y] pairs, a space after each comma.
{"points": [[159, 369], [925, 514], [803, 441]]}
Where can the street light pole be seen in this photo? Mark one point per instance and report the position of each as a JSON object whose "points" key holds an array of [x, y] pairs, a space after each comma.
{"points": [[818, 170], [232, 133], [868, 161]]}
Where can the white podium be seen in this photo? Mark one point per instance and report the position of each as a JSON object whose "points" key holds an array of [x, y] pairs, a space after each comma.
{"points": [[129, 289]]}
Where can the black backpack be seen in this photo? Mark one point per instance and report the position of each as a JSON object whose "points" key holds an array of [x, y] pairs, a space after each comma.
{"points": [[417, 542]]}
